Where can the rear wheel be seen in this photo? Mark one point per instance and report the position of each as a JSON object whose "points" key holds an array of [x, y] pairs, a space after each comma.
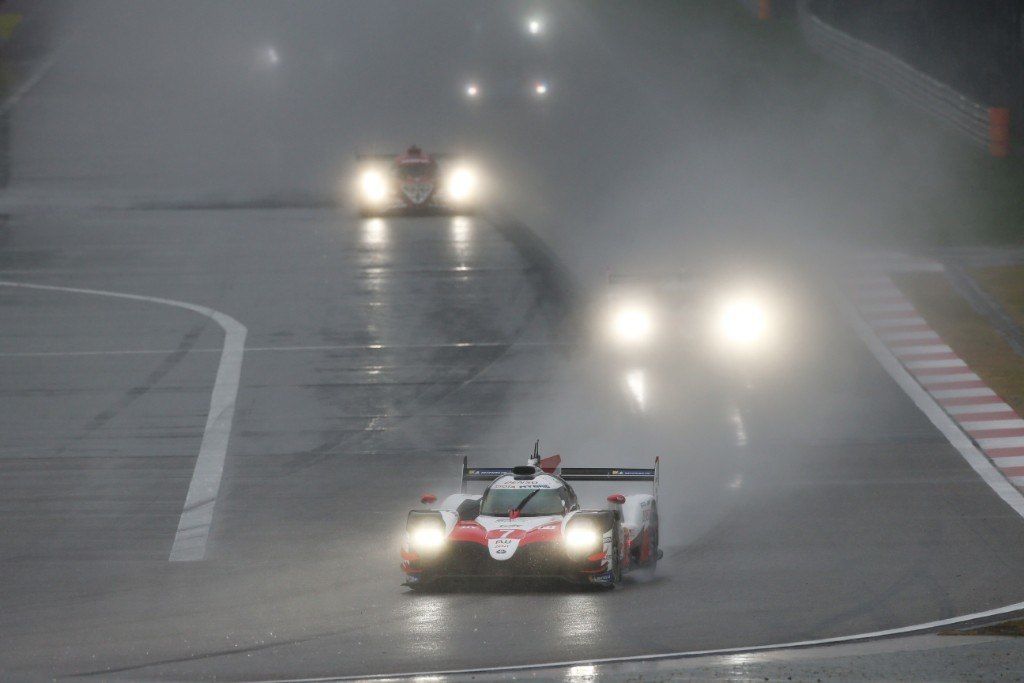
{"points": [[653, 551]]}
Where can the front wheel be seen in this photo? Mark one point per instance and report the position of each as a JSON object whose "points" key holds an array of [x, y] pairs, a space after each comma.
{"points": [[653, 549], [616, 559]]}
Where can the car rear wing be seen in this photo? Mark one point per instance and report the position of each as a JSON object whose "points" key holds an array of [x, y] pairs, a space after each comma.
{"points": [[440, 156], [650, 474]]}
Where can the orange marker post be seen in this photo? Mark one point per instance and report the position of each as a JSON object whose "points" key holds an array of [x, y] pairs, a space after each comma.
{"points": [[999, 131]]}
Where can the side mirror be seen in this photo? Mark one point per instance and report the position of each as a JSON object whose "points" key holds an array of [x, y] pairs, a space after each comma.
{"points": [[428, 498], [617, 498]]}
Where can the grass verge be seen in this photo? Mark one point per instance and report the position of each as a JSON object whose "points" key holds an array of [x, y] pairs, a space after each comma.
{"points": [[1013, 627], [1006, 284]]}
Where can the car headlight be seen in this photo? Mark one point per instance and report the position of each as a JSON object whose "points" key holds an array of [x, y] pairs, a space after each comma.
{"points": [[426, 537], [582, 539], [373, 186], [461, 184], [632, 324], [743, 322]]}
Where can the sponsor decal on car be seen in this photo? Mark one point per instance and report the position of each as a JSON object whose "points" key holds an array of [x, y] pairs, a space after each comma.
{"points": [[523, 484], [417, 192]]}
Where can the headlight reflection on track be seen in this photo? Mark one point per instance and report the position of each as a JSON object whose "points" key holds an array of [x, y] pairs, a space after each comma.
{"points": [[461, 235], [375, 232], [636, 382]]}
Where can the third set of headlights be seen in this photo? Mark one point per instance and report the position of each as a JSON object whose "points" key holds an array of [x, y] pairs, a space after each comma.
{"points": [[740, 322]]}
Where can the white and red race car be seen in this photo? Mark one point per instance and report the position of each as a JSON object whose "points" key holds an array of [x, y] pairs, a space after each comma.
{"points": [[416, 182], [529, 523]]}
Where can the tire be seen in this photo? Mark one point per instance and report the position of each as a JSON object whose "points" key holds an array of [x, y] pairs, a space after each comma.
{"points": [[655, 551], [616, 555], [425, 587]]}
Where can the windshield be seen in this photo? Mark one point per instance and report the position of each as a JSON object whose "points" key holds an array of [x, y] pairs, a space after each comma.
{"points": [[498, 502]]}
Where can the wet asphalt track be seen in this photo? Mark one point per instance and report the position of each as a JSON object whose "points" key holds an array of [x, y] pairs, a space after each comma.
{"points": [[844, 511], [379, 353]]}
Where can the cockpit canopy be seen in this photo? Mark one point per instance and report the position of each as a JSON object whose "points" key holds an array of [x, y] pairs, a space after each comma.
{"points": [[508, 497]]}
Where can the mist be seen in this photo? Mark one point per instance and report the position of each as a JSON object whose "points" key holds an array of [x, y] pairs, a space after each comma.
{"points": [[206, 152], [670, 139]]}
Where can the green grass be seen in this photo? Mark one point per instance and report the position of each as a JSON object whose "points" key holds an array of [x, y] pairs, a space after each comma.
{"points": [[1006, 284]]}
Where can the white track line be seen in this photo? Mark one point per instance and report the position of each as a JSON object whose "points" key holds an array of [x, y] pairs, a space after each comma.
{"points": [[871, 635], [1001, 442], [946, 379], [980, 392], [935, 364], [910, 336], [197, 515], [28, 84], [1011, 422], [921, 350], [996, 407], [251, 349]]}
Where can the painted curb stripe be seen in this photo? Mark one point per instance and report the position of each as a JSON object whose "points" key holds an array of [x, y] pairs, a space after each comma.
{"points": [[964, 378], [978, 391], [909, 336], [979, 408], [972, 400], [1004, 452], [973, 406]]}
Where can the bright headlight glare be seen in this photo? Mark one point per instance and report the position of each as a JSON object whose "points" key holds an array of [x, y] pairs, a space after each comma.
{"points": [[427, 537], [743, 322], [373, 185], [462, 183], [581, 538], [632, 324]]}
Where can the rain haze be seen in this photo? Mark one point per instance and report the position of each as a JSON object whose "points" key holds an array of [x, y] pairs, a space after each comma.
{"points": [[273, 274]]}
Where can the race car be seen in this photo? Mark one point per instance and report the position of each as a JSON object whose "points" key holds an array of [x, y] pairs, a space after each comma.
{"points": [[648, 312], [664, 334], [529, 523], [415, 182]]}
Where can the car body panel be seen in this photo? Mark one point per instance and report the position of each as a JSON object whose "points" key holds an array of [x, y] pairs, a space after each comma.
{"points": [[522, 545]]}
